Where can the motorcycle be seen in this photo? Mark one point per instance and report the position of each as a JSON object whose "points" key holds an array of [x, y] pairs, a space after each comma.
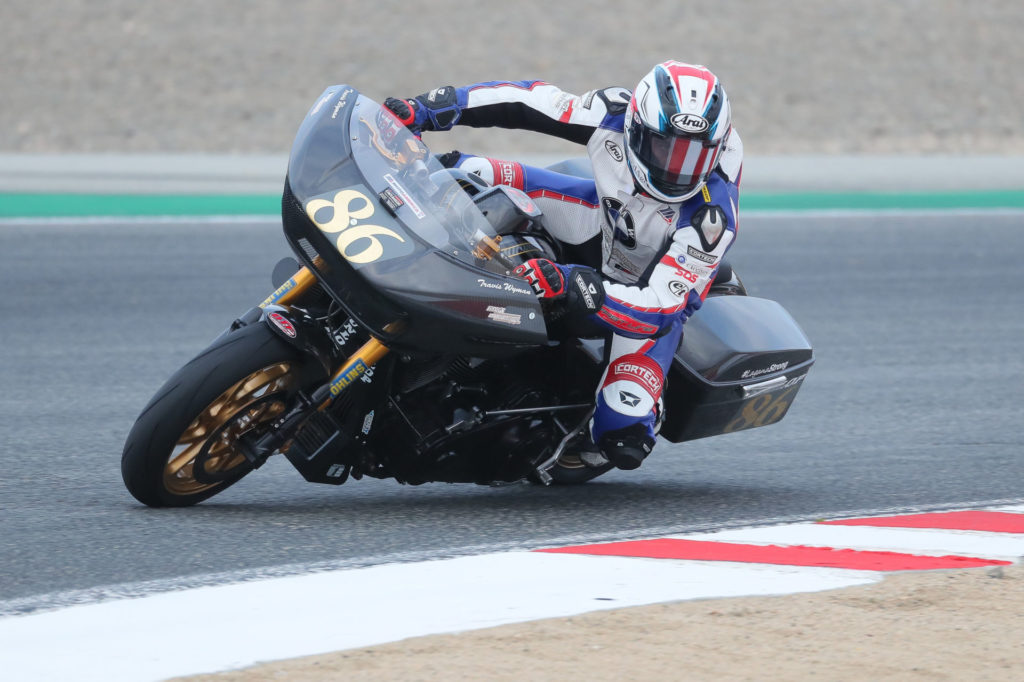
{"points": [[401, 345]]}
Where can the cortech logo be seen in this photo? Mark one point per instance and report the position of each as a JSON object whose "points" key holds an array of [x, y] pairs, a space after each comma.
{"points": [[690, 123], [629, 399], [700, 255], [508, 173], [586, 292], [614, 150], [643, 376]]}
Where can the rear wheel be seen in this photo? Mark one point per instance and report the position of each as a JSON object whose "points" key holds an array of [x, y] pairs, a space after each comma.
{"points": [[184, 446], [727, 282]]}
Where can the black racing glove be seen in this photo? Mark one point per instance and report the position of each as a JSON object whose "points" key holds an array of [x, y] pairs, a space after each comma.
{"points": [[575, 290], [435, 110], [404, 110]]}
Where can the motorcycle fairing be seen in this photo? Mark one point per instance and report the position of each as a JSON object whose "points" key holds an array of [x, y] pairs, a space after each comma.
{"points": [[394, 237]]}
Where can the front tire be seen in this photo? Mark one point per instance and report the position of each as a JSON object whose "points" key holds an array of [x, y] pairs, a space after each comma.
{"points": [[183, 447]]}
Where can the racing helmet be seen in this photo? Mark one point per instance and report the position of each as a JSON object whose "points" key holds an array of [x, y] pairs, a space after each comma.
{"points": [[675, 128]]}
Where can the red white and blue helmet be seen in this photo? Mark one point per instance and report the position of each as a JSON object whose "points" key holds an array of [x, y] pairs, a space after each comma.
{"points": [[675, 129]]}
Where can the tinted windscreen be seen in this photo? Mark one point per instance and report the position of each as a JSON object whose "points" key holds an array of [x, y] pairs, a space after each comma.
{"points": [[361, 175]]}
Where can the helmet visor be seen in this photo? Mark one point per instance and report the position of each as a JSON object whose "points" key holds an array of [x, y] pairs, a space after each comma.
{"points": [[675, 165]]}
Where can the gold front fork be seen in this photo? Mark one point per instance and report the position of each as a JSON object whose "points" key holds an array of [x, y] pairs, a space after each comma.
{"points": [[363, 359], [299, 284]]}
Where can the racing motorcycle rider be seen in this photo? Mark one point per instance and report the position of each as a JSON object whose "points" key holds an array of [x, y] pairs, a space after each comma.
{"points": [[655, 220]]}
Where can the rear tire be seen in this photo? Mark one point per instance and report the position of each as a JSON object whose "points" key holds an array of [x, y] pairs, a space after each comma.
{"points": [[182, 448], [727, 282]]}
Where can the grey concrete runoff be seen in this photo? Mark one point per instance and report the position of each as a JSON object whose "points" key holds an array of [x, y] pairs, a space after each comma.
{"points": [[263, 174]]}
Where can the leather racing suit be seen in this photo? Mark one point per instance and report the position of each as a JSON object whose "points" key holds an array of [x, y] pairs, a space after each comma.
{"points": [[657, 259]]}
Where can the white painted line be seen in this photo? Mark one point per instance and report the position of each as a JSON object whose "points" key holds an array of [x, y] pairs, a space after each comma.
{"points": [[924, 541], [231, 626]]}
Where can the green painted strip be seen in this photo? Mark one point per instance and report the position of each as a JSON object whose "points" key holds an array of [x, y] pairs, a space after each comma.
{"points": [[81, 205], [880, 201]]}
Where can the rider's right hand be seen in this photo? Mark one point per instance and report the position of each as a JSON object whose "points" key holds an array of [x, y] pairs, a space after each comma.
{"points": [[546, 278], [576, 291], [404, 110]]}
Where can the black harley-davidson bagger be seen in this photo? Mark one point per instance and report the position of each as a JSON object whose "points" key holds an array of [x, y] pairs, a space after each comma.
{"points": [[404, 347]]}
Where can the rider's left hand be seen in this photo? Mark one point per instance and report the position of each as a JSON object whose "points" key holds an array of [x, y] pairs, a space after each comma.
{"points": [[404, 110]]}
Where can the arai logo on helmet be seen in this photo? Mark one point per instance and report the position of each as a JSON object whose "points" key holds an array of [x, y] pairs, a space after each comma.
{"points": [[690, 123]]}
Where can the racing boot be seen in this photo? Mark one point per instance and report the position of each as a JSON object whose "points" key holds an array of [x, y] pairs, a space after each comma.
{"points": [[586, 451], [627, 448]]}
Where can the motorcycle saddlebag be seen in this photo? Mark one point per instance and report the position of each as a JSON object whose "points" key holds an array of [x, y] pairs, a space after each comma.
{"points": [[740, 364]]}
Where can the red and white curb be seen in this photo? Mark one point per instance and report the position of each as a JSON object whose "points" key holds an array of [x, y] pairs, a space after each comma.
{"points": [[222, 627]]}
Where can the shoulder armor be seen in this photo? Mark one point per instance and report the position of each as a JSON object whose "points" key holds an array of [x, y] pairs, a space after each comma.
{"points": [[710, 223]]}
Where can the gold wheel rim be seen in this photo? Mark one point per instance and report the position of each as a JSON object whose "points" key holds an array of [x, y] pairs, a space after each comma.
{"points": [[248, 403]]}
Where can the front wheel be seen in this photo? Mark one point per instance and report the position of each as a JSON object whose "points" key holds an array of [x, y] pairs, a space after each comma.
{"points": [[183, 447]]}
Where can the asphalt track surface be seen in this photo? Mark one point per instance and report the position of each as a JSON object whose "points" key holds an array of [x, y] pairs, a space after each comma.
{"points": [[914, 403]]}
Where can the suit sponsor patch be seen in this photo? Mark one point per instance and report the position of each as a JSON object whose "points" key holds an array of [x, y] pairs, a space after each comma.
{"points": [[678, 288], [638, 369], [587, 292], [625, 322], [700, 255], [614, 150]]}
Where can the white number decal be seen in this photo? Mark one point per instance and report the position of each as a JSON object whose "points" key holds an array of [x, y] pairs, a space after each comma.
{"points": [[344, 220]]}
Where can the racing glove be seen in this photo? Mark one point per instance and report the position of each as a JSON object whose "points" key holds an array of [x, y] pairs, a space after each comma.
{"points": [[575, 290], [435, 110], [404, 110]]}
